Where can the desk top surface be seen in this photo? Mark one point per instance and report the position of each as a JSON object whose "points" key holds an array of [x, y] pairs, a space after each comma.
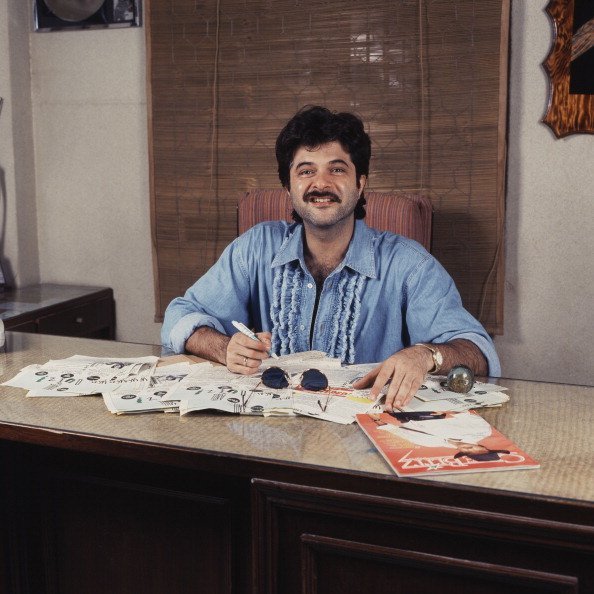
{"points": [[551, 422]]}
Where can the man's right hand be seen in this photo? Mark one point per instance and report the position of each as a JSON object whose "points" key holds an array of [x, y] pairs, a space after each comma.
{"points": [[244, 355], [239, 353]]}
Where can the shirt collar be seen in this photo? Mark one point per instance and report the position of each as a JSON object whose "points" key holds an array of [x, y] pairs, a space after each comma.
{"points": [[361, 253], [360, 256]]}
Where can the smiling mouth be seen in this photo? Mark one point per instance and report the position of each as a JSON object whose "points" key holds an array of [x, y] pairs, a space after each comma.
{"points": [[326, 198]]}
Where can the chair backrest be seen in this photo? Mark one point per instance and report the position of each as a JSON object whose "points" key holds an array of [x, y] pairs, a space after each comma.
{"points": [[400, 212]]}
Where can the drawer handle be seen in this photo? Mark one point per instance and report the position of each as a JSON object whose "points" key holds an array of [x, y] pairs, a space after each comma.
{"points": [[79, 320]]}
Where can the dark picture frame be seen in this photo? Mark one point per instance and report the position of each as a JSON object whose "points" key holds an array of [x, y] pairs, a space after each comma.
{"points": [[570, 107], [57, 15]]}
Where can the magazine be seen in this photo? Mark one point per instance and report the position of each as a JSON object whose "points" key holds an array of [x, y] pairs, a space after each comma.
{"points": [[421, 443]]}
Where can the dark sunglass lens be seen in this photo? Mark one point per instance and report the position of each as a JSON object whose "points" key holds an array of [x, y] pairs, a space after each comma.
{"points": [[314, 380], [275, 377]]}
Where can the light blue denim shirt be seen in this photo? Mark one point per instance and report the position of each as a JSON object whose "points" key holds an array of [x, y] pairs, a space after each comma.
{"points": [[407, 296]]}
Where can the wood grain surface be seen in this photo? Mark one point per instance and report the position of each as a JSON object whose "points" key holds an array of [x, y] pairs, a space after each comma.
{"points": [[567, 113]]}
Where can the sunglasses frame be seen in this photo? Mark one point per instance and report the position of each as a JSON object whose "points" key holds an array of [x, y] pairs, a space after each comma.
{"points": [[287, 377]]}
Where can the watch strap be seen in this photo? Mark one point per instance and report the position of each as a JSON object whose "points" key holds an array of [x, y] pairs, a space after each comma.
{"points": [[435, 354]]}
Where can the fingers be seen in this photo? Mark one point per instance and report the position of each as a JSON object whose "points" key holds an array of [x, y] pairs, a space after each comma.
{"points": [[245, 355], [239, 363], [266, 337], [367, 380], [402, 390], [246, 347], [386, 373], [376, 378], [403, 373]]}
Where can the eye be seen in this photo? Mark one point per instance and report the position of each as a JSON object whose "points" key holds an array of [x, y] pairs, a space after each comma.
{"points": [[338, 170], [304, 172]]}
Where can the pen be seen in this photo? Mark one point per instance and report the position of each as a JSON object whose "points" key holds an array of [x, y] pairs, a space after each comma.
{"points": [[245, 330], [379, 399]]}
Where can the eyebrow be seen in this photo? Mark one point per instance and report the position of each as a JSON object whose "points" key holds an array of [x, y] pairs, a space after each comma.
{"points": [[333, 162]]}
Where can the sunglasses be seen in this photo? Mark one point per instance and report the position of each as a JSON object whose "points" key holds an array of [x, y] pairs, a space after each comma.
{"points": [[277, 378]]}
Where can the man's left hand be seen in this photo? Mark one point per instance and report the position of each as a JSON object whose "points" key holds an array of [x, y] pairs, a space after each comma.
{"points": [[405, 371]]}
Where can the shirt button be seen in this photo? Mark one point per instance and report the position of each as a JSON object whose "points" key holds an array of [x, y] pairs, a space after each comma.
{"points": [[302, 327], [309, 286]]}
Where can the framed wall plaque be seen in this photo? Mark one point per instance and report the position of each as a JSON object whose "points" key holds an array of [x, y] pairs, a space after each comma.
{"points": [[57, 15], [570, 67]]}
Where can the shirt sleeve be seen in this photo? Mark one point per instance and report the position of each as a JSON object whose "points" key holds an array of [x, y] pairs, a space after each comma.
{"points": [[219, 296], [434, 312]]}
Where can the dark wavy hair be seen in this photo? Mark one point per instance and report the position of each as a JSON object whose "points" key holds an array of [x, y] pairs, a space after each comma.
{"points": [[313, 126]]}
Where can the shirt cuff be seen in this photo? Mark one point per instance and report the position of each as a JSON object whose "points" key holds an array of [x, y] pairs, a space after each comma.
{"points": [[186, 327], [487, 348]]}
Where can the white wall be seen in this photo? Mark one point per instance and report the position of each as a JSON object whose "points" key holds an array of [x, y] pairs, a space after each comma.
{"points": [[90, 121], [549, 292], [89, 114]]}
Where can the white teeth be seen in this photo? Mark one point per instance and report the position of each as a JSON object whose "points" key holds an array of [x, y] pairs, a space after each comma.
{"points": [[321, 200]]}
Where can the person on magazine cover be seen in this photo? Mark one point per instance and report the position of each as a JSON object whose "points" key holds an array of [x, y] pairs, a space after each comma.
{"points": [[329, 282], [462, 431], [476, 452]]}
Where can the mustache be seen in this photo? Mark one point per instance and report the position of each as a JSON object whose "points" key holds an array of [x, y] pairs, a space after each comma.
{"points": [[315, 194]]}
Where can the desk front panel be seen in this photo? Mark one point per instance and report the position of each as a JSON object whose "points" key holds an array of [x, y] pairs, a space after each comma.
{"points": [[82, 522], [310, 540]]}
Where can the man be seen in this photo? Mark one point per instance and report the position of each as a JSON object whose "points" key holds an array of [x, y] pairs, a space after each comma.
{"points": [[328, 282]]}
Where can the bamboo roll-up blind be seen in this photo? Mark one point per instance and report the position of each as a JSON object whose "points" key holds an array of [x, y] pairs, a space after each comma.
{"points": [[428, 77]]}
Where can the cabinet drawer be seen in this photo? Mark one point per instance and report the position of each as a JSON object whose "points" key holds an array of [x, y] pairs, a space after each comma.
{"points": [[83, 320]]}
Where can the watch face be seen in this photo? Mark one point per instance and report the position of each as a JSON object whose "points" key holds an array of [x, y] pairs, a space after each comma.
{"points": [[438, 357]]}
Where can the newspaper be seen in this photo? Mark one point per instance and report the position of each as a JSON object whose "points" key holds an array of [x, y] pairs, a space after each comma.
{"points": [[80, 375], [434, 391], [137, 385], [163, 380]]}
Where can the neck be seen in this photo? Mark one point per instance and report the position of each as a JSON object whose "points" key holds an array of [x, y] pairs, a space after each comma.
{"points": [[324, 249]]}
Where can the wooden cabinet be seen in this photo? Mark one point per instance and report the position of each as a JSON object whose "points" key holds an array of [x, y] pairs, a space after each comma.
{"points": [[95, 524], [60, 309], [326, 541]]}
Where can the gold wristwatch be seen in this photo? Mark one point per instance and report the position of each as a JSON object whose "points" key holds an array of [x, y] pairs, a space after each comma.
{"points": [[435, 353]]}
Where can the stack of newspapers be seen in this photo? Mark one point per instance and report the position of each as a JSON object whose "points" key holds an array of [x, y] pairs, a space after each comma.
{"points": [[150, 384], [213, 387]]}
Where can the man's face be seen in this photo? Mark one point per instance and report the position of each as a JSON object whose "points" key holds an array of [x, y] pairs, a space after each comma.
{"points": [[324, 188], [471, 448]]}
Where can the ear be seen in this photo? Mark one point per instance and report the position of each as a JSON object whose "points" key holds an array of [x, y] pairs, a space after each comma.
{"points": [[362, 184]]}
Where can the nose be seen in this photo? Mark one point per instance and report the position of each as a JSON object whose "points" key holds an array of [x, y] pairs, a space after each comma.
{"points": [[321, 181]]}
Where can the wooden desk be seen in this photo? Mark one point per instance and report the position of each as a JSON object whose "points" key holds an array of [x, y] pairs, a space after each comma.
{"points": [[65, 310], [93, 502]]}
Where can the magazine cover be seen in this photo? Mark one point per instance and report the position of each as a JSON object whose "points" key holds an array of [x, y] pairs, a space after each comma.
{"points": [[428, 443]]}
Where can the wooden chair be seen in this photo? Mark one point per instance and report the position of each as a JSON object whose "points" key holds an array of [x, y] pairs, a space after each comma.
{"points": [[401, 212]]}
